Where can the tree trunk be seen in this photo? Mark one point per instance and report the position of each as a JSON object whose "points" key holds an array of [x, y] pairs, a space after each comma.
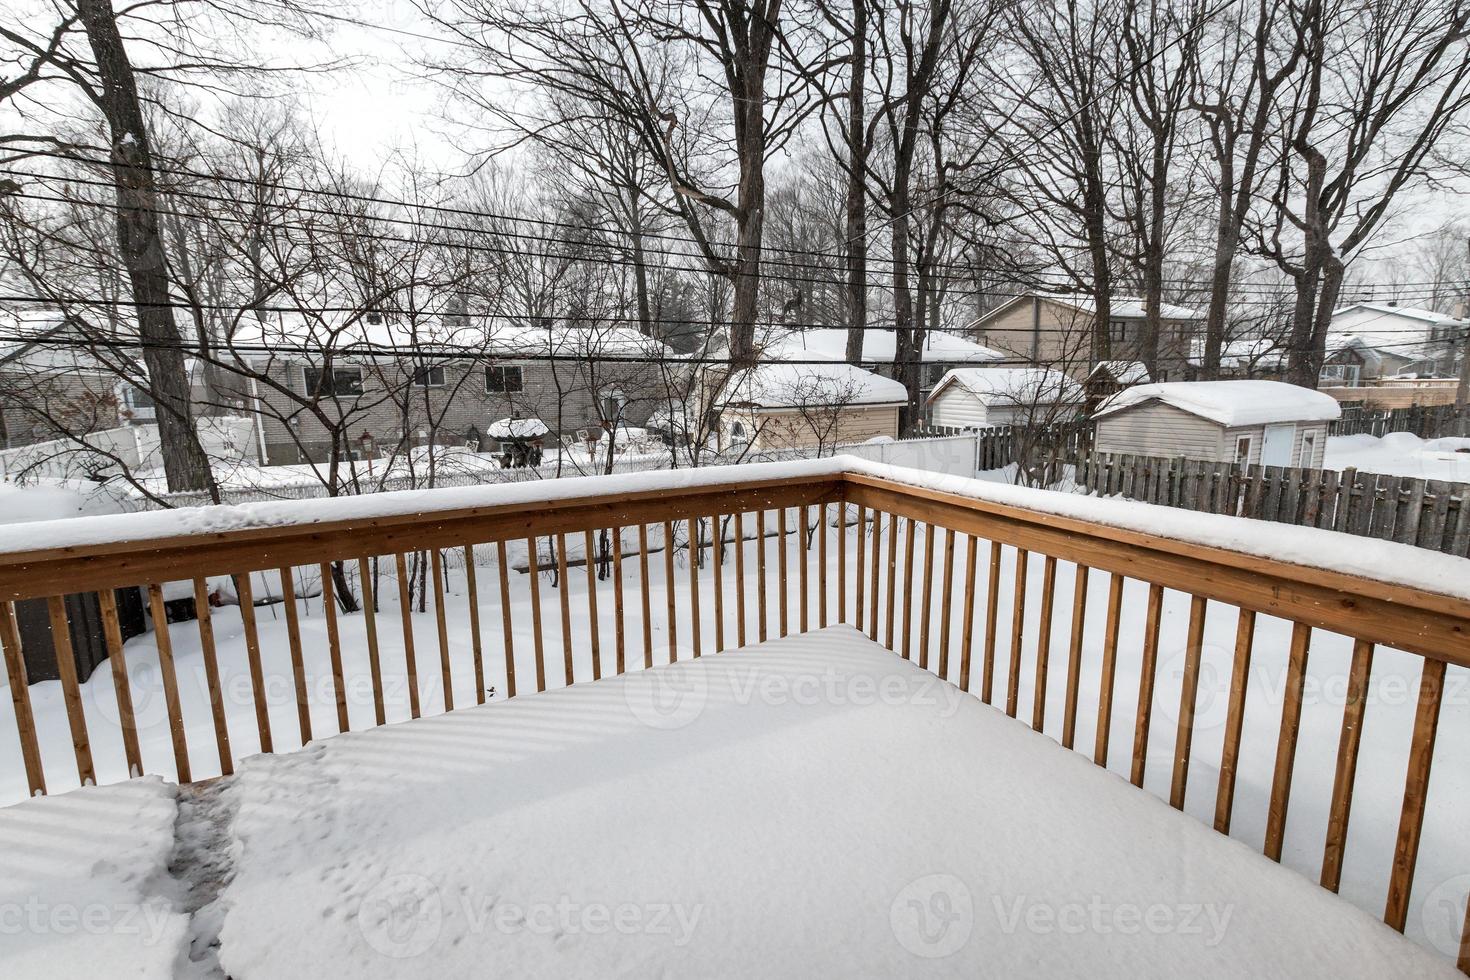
{"points": [[185, 465], [856, 227]]}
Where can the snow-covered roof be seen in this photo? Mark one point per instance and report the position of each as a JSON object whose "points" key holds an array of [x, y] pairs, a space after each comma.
{"points": [[879, 346], [1120, 308], [1011, 385], [830, 383], [1123, 372], [517, 429], [1384, 330], [1243, 352], [1232, 403]]}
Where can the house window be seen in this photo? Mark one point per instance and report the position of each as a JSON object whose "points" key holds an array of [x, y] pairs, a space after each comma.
{"points": [[612, 403], [338, 381], [506, 379], [428, 377], [1243, 450], [1117, 331], [137, 398], [1309, 450], [1344, 375], [737, 433]]}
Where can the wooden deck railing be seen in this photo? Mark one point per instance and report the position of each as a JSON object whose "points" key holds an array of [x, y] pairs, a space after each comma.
{"points": [[836, 537]]}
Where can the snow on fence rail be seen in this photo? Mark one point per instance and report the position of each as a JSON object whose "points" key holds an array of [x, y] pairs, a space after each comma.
{"points": [[1424, 421], [1082, 617], [1432, 514]]}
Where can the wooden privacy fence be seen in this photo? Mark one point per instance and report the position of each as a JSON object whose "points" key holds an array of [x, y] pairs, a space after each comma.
{"points": [[1432, 514], [1425, 421], [1000, 445], [826, 546]]}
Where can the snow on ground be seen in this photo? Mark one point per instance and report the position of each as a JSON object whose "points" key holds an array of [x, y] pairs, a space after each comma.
{"points": [[816, 807], [1441, 885], [1402, 454], [84, 885]]}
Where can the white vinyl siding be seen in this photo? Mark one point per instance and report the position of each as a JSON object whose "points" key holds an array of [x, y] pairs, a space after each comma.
{"points": [[1156, 429], [954, 406]]}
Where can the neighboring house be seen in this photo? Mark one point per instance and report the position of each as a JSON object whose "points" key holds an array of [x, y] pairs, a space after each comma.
{"points": [[1269, 422], [1110, 377], [806, 405], [979, 397], [1056, 330], [48, 389], [941, 351], [403, 386], [1368, 341], [1262, 356]]}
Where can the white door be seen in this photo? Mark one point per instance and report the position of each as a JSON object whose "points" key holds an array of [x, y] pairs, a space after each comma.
{"points": [[1276, 445]]}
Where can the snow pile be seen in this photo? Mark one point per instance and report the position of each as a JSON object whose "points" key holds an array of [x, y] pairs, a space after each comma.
{"points": [[879, 345], [84, 886], [50, 500], [1401, 454], [1123, 372], [1013, 386], [818, 807], [1232, 403], [517, 429]]}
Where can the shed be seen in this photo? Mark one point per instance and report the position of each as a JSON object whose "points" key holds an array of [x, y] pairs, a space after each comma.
{"points": [[978, 397], [1268, 422]]}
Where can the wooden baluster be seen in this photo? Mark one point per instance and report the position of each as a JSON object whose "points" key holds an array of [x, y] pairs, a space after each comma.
{"points": [[1347, 763], [334, 644], [166, 673], [1188, 698], [1245, 630], [873, 576], [589, 552], [1074, 654], [370, 621], [1043, 642], [717, 563], [564, 603], [211, 678], [1109, 671], [967, 631], [992, 612], [1291, 717], [842, 561], [947, 590], [822, 565], [694, 553], [1146, 677], [507, 633], [647, 601], [473, 595], [803, 576], [892, 579], [760, 573], [71, 693], [20, 698], [533, 572], [619, 629], [908, 586], [298, 665], [859, 580], [739, 580], [405, 612], [1416, 790], [1018, 630], [1463, 961], [781, 566], [672, 622], [926, 609], [122, 688], [436, 572]]}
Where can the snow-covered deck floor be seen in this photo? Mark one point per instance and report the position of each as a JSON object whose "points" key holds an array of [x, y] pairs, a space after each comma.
{"points": [[814, 806]]}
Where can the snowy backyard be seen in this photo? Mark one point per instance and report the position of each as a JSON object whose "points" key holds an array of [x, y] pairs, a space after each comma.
{"points": [[792, 742]]}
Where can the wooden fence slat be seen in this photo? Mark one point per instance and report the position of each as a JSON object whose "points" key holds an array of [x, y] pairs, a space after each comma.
{"points": [[967, 630], [889, 607], [298, 665], [782, 601], [859, 579], [436, 572], [926, 610], [1148, 674], [122, 687], [166, 673], [506, 631], [1018, 629], [564, 607], [1109, 671], [822, 565], [908, 586], [1188, 699], [947, 590], [992, 612], [71, 693], [803, 576], [472, 594], [695, 552], [1353, 709], [740, 579], [533, 576], [594, 622], [1416, 791], [1043, 642], [760, 575], [1408, 530], [20, 699], [211, 677], [672, 623], [842, 560], [647, 599], [1291, 718], [334, 645], [370, 625], [620, 628], [873, 575], [1460, 545], [1074, 654], [1245, 629]]}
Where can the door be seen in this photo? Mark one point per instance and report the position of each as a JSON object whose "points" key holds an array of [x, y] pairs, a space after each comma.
{"points": [[1276, 445]]}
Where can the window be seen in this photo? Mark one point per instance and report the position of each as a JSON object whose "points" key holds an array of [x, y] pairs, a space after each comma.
{"points": [[428, 377], [502, 379], [1242, 450], [612, 405], [1117, 331], [737, 433], [338, 381], [1345, 375], [1309, 450], [136, 398]]}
